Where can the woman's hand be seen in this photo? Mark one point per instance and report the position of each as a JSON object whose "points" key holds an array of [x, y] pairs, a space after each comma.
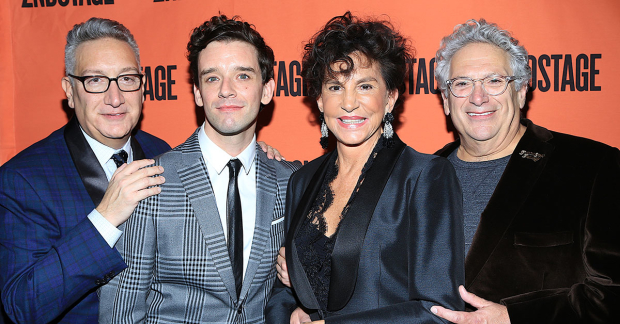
{"points": [[282, 269]]}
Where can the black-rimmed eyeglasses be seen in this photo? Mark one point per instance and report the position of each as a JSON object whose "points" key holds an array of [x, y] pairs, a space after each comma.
{"points": [[493, 85], [101, 83]]}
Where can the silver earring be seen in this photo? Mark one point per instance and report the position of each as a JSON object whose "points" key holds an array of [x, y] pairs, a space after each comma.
{"points": [[388, 130], [324, 133]]}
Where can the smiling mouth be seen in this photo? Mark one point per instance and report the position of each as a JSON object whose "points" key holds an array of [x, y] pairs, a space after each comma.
{"points": [[480, 114], [352, 121]]}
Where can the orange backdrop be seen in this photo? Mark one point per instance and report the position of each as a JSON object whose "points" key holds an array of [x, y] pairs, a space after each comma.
{"points": [[574, 47]]}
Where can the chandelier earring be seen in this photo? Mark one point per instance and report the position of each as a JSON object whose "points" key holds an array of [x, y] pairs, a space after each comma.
{"points": [[324, 132], [388, 130]]}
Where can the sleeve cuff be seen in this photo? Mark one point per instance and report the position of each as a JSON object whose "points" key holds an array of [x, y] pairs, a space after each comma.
{"points": [[109, 232]]}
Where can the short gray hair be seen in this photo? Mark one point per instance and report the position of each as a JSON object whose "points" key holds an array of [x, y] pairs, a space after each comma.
{"points": [[481, 32], [93, 29]]}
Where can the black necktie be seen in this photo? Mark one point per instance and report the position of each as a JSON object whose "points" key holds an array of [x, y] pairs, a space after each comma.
{"points": [[119, 158], [235, 224]]}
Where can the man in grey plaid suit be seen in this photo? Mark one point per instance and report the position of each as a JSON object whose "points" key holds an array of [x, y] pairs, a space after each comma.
{"points": [[176, 244]]}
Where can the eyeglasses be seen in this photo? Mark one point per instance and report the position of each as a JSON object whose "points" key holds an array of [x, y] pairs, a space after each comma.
{"points": [[493, 85], [101, 83]]}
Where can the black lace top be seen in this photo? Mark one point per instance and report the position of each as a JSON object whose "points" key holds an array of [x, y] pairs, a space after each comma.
{"points": [[314, 248]]}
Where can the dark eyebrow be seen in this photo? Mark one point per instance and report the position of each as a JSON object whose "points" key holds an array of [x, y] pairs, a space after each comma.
{"points": [[333, 81], [238, 68], [245, 69], [207, 71], [367, 79]]}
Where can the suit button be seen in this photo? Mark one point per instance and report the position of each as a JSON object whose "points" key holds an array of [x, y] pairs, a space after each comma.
{"points": [[239, 310]]}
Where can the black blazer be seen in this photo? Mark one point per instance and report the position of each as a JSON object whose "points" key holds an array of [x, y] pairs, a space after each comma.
{"points": [[548, 242], [398, 252]]}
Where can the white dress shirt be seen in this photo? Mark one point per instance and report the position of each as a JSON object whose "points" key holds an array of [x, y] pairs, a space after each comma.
{"points": [[217, 160], [104, 153]]}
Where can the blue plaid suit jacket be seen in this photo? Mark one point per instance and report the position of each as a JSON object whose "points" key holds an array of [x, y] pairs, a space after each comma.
{"points": [[53, 258]]}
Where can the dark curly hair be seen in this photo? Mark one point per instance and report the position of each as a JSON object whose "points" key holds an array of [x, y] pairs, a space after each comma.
{"points": [[347, 34], [220, 28]]}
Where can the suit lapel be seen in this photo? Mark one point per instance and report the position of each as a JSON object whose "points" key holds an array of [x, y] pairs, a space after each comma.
{"points": [[266, 190], [138, 153], [195, 178], [299, 279], [448, 148], [85, 161], [511, 192], [353, 227]]}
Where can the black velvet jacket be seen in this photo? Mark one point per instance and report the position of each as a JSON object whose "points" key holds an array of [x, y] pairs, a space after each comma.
{"points": [[548, 242]]}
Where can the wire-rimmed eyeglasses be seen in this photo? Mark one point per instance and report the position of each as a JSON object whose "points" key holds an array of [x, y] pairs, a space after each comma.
{"points": [[101, 83], [493, 85]]}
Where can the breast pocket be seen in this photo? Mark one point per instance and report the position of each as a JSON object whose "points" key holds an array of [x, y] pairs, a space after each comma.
{"points": [[267, 270], [543, 239], [277, 221], [277, 232]]}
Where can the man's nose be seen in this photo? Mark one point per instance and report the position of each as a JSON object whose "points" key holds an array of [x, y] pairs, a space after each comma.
{"points": [[227, 89], [114, 96], [478, 95]]}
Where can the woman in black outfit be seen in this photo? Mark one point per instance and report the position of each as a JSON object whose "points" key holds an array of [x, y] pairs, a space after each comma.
{"points": [[375, 230]]}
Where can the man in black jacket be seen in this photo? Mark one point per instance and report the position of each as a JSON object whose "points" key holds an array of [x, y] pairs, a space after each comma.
{"points": [[541, 208]]}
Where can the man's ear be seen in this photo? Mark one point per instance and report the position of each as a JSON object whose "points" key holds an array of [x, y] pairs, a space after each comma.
{"points": [[268, 89], [68, 88], [522, 96], [198, 97], [446, 104], [142, 88]]}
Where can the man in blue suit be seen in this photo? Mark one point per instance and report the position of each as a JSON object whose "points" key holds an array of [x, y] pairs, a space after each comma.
{"points": [[62, 199]]}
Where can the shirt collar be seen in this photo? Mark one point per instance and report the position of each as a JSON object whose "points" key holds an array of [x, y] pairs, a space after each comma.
{"points": [[103, 152], [218, 158]]}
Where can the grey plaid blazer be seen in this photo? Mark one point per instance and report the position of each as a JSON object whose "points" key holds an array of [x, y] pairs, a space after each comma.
{"points": [[174, 246]]}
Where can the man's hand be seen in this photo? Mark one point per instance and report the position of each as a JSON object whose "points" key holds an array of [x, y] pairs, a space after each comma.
{"points": [[487, 312], [129, 185], [282, 269], [299, 317], [271, 151]]}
